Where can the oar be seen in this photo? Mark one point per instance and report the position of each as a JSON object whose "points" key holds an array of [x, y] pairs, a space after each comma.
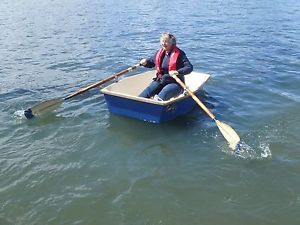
{"points": [[54, 103], [228, 132]]}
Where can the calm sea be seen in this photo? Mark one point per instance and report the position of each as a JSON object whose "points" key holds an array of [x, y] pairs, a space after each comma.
{"points": [[82, 165]]}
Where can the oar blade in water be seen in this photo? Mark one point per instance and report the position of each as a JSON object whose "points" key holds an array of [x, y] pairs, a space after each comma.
{"points": [[54, 103], [45, 106], [229, 134]]}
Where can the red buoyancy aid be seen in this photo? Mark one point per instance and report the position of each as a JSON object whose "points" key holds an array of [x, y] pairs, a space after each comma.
{"points": [[172, 63]]}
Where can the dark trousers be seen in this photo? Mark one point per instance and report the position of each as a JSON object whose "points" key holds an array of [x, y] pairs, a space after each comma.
{"points": [[165, 92]]}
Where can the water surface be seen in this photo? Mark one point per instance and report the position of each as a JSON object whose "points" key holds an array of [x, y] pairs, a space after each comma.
{"points": [[83, 165]]}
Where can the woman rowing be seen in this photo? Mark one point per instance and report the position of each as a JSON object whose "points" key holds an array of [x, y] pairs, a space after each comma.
{"points": [[169, 59]]}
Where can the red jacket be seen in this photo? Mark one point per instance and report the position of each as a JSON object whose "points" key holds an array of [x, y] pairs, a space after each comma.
{"points": [[172, 63]]}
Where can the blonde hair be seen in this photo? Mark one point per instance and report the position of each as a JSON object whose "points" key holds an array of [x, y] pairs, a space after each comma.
{"points": [[169, 36]]}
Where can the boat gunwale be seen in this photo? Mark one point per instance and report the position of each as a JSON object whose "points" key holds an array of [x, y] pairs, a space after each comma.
{"points": [[150, 100]]}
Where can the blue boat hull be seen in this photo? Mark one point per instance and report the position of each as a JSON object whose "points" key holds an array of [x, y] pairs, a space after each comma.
{"points": [[147, 111]]}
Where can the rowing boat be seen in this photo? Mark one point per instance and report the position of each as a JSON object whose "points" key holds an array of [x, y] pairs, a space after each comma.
{"points": [[122, 98]]}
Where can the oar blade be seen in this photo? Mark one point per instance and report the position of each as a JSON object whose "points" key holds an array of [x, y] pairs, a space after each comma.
{"points": [[45, 106], [229, 134]]}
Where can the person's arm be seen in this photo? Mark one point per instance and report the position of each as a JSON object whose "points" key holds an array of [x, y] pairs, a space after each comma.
{"points": [[186, 66], [149, 62]]}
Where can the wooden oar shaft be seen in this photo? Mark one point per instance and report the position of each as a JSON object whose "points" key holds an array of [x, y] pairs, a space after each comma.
{"points": [[228, 132], [196, 99], [80, 91], [49, 104]]}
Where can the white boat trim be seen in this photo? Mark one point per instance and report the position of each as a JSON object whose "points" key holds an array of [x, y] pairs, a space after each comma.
{"points": [[130, 87]]}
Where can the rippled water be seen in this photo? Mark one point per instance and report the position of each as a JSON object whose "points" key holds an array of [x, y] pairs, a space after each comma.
{"points": [[82, 165]]}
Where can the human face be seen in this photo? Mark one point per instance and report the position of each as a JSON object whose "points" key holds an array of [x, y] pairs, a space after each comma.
{"points": [[166, 44]]}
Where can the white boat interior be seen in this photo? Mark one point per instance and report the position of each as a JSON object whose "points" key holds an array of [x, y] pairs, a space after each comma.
{"points": [[130, 87]]}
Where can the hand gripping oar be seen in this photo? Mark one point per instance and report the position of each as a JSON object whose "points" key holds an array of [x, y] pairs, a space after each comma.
{"points": [[54, 103], [228, 132]]}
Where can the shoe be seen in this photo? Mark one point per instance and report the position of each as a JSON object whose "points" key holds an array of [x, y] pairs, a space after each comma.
{"points": [[156, 98]]}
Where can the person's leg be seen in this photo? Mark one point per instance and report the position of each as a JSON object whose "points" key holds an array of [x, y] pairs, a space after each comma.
{"points": [[169, 91], [153, 89]]}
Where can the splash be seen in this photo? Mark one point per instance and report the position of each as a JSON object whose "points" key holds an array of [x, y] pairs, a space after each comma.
{"points": [[19, 114], [245, 151]]}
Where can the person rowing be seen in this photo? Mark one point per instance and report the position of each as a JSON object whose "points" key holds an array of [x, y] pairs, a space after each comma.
{"points": [[168, 60]]}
